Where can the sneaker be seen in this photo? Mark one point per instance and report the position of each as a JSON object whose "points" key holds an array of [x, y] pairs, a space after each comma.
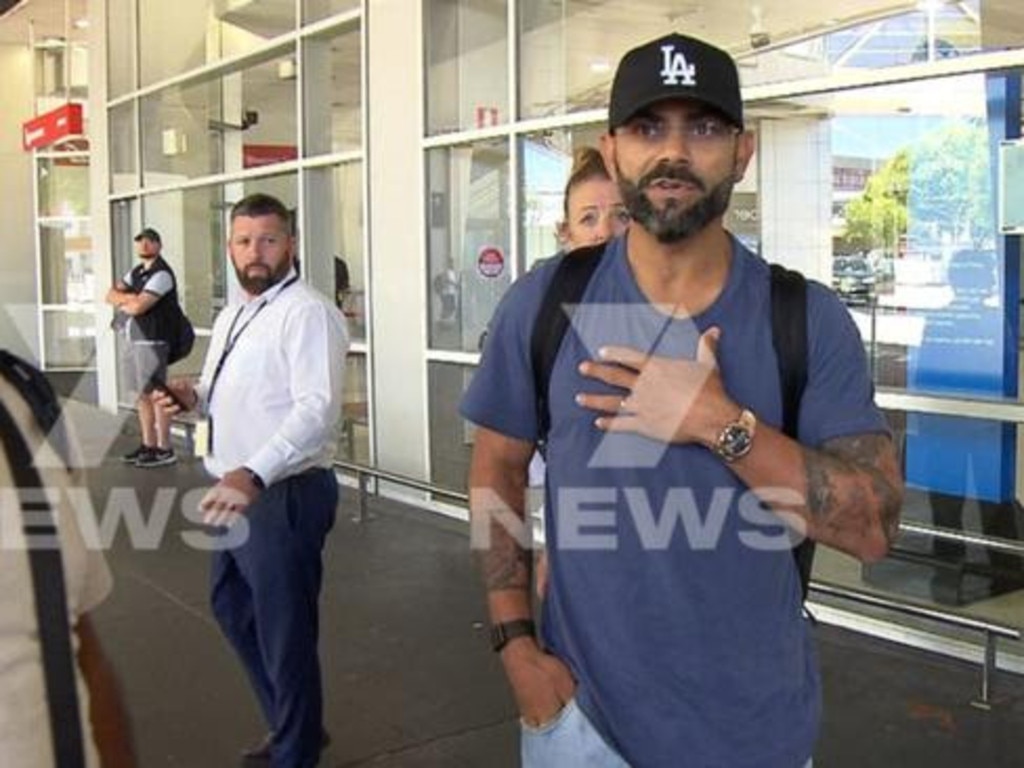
{"points": [[134, 456], [156, 457]]}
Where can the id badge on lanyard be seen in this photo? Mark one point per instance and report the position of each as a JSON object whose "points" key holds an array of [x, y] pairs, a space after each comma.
{"points": [[202, 438]]}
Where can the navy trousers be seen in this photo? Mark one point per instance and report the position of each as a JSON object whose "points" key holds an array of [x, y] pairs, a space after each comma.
{"points": [[265, 596]]}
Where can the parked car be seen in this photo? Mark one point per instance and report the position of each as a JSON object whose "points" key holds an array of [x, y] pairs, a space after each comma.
{"points": [[853, 279]]}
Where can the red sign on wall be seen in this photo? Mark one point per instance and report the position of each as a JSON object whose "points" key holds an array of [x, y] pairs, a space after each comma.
{"points": [[51, 127], [255, 155]]}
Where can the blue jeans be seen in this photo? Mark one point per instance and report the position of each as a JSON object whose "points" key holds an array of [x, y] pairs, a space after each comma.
{"points": [[570, 741]]}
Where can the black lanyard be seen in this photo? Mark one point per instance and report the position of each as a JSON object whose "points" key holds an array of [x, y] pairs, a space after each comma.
{"points": [[232, 338]]}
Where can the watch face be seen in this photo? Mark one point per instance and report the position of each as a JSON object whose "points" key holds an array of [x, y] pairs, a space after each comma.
{"points": [[735, 441]]}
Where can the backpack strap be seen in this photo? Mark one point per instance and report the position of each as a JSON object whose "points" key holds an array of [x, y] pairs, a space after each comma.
{"points": [[789, 338], [51, 604], [570, 281], [36, 391]]}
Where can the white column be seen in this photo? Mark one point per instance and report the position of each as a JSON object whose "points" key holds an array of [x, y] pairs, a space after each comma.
{"points": [[99, 188], [398, 261], [795, 169]]}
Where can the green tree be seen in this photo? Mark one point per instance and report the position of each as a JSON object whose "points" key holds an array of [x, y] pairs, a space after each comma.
{"points": [[877, 218], [939, 189], [950, 186]]}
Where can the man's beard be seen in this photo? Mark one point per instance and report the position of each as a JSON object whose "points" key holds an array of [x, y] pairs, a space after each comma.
{"points": [[256, 278], [675, 221]]}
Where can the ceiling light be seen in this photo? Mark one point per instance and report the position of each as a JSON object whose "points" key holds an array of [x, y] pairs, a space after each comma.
{"points": [[600, 66], [81, 23]]}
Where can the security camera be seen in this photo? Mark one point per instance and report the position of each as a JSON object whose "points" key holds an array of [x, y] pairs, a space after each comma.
{"points": [[760, 39]]}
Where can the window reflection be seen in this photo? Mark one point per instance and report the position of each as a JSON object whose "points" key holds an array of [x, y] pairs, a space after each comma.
{"points": [[450, 434], [229, 123], [354, 444], [467, 64], [546, 160], [332, 75], [206, 31], [67, 270], [314, 10], [469, 265], [124, 171]]}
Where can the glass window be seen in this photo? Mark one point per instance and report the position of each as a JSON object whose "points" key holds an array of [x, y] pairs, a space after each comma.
{"points": [[195, 38], [466, 44], [229, 123], [933, 32], [124, 224], [450, 435], [67, 274], [121, 45], [124, 170], [69, 338], [957, 483], [569, 51], [468, 240], [545, 162], [63, 186], [61, 72], [314, 10], [355, 412], [910, 179], [205, 31], [332, 73], [191, 226], [333, 236]]}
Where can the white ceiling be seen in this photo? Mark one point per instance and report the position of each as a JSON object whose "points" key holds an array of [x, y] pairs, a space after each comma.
{"points": [[618, 24], [728, 23]]}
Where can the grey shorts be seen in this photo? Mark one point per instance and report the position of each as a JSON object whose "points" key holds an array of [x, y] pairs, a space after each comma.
{"points": [[146, 364]]}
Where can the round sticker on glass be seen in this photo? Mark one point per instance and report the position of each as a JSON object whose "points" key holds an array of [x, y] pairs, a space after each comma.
{"points": [[490, 261]]}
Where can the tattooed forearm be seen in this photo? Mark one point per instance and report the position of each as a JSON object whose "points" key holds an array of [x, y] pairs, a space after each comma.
{"points": [[505, 564], [854, 490]]}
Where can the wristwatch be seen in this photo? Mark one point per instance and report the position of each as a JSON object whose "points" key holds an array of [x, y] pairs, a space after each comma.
{"points": [[509, 630], [737, 437]]}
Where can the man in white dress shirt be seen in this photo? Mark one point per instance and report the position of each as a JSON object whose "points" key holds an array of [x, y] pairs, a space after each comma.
{"points": [[271, 391]]}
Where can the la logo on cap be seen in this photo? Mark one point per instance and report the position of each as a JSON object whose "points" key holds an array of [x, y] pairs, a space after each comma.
{"points": [[675, 69]]}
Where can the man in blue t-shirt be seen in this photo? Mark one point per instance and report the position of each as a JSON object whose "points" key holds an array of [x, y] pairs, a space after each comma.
{"points": [[672, 629]]}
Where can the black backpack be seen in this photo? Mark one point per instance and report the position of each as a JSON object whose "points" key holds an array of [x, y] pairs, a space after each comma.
{"points": [[45, 563], [789, 337]]}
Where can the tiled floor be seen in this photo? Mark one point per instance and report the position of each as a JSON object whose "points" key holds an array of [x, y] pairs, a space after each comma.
{"points": [[409, 679]]}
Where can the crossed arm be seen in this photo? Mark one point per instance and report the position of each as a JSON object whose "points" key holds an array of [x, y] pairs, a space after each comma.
{"points": [[130, 303]]}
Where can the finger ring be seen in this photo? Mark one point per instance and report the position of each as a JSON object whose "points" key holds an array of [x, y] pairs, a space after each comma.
{"points": [[622, 404]]}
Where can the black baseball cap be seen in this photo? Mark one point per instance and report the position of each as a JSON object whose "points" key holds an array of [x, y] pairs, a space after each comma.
{"points": [[675, 67], [149, 234]]}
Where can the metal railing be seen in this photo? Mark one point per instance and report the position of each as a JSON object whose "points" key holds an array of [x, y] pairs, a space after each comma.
{"points": [[992, 631]]}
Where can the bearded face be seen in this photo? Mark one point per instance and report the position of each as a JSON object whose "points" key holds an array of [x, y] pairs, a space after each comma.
{"points": [[676, 219], [257, 277]]}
